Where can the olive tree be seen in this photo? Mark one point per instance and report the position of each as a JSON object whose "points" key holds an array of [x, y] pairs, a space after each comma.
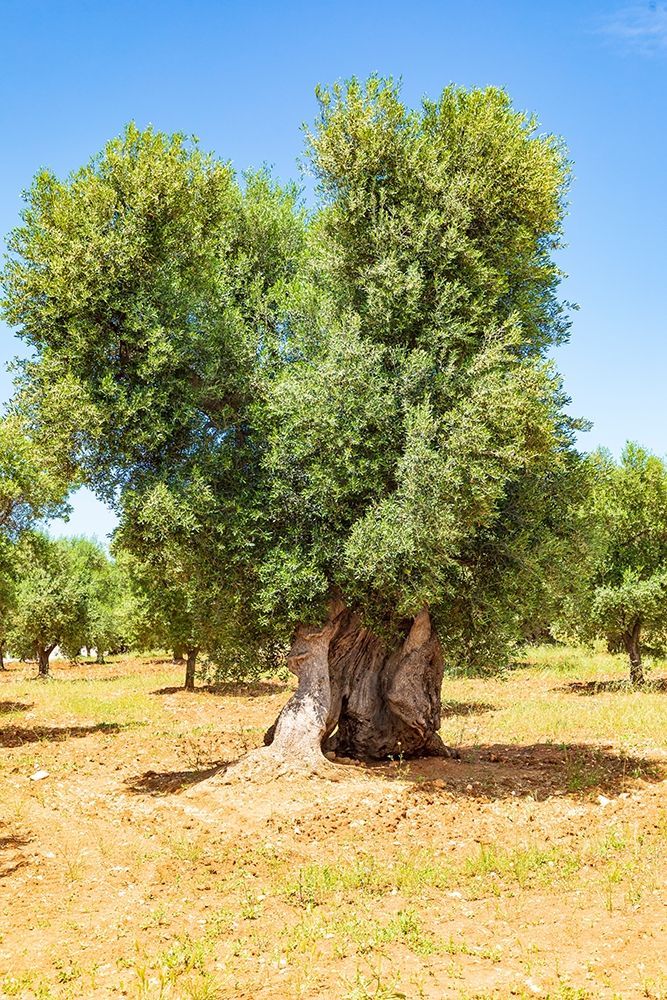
{"points": [[622, 596], [419, 454], [362, 394], [103, 624], [33, 486], [49, 606]]}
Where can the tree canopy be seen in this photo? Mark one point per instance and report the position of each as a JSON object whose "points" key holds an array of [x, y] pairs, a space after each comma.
{"points": [[353, 403], [623, 590]]}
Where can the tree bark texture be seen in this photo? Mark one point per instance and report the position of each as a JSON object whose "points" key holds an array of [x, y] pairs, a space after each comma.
{"points": [[360, 699], [43, 654], [633, 649], [190, 667]]}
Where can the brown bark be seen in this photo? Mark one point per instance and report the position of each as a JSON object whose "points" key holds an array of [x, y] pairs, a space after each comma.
{"points": [[377, 703], [633, 649], [2, 657], [43, 654], [614, 643], [190, 668]]}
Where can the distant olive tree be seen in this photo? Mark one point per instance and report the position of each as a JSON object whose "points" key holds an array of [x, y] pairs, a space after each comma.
{"points": [[103, 626], [33, 487], [49, 607], [167, 544], [622, 595]]}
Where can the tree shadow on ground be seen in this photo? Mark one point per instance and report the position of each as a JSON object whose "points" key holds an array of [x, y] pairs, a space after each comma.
{"points": [[616, 686], [540, 770], [253, 689], [11, 844], [7, 707], [16, 736], [159, 783], [455, 708]]}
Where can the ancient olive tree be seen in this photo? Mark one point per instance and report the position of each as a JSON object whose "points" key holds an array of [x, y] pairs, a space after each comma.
{"points": [[362, 393], [418, 453], [622, 596]]}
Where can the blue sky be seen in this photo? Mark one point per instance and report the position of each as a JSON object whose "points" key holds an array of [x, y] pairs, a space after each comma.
{"points": [[241, 76]]}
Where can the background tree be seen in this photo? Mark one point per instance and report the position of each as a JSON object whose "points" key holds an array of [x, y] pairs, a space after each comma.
{"points": [[623, 591], [167, 543], [103, 625], [50, 599], [33, 486]]}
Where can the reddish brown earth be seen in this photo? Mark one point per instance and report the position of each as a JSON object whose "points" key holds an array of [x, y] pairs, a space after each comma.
{"points": [[134, 870]]}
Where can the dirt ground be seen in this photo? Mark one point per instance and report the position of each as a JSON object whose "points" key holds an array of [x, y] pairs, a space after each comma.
{"points": [[534, 866]]}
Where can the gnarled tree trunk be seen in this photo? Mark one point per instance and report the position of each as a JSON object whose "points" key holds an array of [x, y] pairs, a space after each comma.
{"points": [[306, 719], [358, 698], [632, 647]]}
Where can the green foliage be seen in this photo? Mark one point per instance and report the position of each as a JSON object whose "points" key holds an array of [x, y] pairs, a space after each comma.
{"points": [[147, 283], [438, 224], [31, 486], [168, 547], [283, 407], [624, 588], [50, 601]]}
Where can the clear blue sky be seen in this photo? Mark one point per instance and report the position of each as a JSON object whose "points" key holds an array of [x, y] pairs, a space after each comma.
{"points": [[241, 76]]}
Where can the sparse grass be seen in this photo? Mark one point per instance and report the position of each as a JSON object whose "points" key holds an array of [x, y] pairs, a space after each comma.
{"points": [[550, 710], [526, 866], [489, 880]]}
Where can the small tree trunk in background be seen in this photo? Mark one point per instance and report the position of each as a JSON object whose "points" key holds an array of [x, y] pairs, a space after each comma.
{"points": [[190, 667], [178, 655], [43, 654], [631, 643], [2, 657], [87, 649], [614, 643], [99, 658]]}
